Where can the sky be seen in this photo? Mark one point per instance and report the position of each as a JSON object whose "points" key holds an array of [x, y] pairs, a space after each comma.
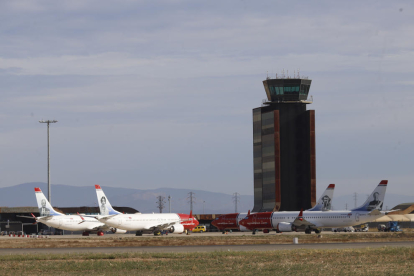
{"points": [[152, 94]]}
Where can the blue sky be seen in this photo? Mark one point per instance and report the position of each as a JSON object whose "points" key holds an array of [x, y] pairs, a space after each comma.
{"points": [[153, 94]]}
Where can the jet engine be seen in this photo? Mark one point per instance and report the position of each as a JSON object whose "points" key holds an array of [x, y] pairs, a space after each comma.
{"points": [[118, 231], [177, 228], [285, 227]]}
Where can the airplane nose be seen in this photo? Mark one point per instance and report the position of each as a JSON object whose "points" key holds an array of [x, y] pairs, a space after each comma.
{"points": [[214, 223]]}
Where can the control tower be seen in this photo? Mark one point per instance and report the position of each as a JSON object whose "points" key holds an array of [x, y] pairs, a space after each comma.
{"points": [[284, 147]]}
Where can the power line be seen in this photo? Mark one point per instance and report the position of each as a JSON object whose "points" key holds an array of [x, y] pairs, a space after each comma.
{"points": [[169, 204], [236, 200], [160, 203], [191, 199], [49, 192]]}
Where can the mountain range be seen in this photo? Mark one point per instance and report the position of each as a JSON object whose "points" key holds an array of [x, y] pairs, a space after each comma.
{"points": [[145, 200], [142, 200]]}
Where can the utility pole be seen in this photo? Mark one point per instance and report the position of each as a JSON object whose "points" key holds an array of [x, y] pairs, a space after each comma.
{"points": [[355, 199], [236, 200], [346, 206], [204, 202], [49, 193], [191, 199], [160, 203], [169, 204]]}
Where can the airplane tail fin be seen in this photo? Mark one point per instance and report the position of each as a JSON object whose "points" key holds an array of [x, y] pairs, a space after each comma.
{"points": [[104, 206], [45, 209], [324, 202], [376, 199]]}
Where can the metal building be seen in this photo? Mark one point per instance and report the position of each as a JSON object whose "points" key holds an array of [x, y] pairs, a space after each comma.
{"points": [[284, 147]]}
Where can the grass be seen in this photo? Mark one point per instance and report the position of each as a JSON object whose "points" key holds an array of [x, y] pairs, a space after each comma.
{"points": [[382, 261], [171, 240]]}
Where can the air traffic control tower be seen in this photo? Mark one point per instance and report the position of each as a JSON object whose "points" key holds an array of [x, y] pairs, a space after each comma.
{"points": [[284, 147]]}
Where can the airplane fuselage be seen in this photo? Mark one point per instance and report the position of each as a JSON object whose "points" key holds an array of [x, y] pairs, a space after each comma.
{"points": [[72, 223], [137, 222], [230, 222], [270, 220]]}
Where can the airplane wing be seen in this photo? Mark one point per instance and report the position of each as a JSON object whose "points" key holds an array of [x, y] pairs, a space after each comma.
{"points": [[163, 226], [300, 221]]}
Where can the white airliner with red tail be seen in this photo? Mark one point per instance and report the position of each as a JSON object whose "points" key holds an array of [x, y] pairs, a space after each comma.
{"points": [[143, 223], [316, 220], [232, 221], [55, 219]]}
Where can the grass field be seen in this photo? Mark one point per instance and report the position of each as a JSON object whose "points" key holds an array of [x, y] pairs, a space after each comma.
{"points": [[383, 261], [171, 240]]}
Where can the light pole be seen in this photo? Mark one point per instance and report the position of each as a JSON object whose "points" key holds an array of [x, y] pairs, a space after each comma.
{"points": [[49, 195]]}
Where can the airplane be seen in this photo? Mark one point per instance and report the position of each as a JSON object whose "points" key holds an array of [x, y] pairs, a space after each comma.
{"points": [[143, 223], [52, 218], [232, 220], [316, 220]]}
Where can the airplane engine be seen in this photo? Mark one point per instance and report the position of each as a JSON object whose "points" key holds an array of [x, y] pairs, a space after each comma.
{"points": [[285, 227], [177, 228], [118, 231]]}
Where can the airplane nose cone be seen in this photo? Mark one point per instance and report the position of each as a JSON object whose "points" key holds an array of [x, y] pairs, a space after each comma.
{"points": [[214, 223]]}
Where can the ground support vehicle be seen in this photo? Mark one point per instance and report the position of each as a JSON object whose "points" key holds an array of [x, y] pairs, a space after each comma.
{"points": [[391, 226], [361, 228]]}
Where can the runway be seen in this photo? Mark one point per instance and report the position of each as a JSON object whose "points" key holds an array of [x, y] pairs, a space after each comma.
{"points": [[208, 248]]}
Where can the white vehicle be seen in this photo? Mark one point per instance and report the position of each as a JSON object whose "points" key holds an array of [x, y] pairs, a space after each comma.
{"points": [[143, 223], [54, 219], [316, 220]]}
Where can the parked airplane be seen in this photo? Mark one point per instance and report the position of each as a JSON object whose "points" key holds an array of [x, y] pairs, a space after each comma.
{"points": [[232, 221], [316, 220], [54, 219], [143, 223]]}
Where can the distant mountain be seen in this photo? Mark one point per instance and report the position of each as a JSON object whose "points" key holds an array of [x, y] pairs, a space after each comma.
{"points": [[142, 200]]}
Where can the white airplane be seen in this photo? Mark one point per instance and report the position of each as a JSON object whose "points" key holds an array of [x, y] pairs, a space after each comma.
{"points": [[316, 220], [54, 219], [143, 223], [232, 221]]}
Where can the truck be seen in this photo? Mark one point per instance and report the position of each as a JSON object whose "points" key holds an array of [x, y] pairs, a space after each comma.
{"points": [[391, 226]]}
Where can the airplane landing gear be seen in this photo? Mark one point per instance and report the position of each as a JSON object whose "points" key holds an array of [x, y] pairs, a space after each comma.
{"points": [[318, 231], [254, 232], [138, 233], [308, 231], [86, 233]]}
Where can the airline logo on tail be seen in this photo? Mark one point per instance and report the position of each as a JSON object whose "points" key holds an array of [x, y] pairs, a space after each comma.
{"points": [[104, 205], [45, 209], [325, 201], [376, 200]]}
